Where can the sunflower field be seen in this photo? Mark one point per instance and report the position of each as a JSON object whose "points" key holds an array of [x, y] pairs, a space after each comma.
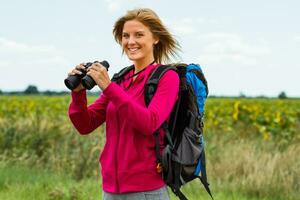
{"points": [[253, 148]]}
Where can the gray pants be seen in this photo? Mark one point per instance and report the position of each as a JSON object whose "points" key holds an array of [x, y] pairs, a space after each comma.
{"points": [[159, 194]]}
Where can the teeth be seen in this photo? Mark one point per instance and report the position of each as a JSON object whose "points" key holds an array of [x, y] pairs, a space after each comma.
{"points": [[134, 49]]}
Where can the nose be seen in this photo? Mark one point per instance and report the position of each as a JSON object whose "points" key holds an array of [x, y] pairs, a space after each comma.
{"points": [[131, 40]]}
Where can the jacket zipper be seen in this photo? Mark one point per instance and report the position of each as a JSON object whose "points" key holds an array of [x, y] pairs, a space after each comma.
{"points": [[116, 154]]}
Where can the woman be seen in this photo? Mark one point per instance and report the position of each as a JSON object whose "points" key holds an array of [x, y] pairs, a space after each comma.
{"points": [[128, 160]]}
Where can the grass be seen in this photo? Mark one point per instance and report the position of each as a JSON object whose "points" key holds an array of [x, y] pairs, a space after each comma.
{"points": [[238, 170], [252, 151], [22, 183]]}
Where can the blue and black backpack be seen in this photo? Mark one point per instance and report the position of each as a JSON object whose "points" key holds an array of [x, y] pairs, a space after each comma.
{"points": [[183, 157]]}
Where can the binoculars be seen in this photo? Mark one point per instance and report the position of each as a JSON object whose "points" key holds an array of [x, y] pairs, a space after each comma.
{"points": [[87, 81]]}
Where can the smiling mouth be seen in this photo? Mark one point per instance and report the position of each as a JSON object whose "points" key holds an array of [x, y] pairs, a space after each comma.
{"points": [[133, 50]]}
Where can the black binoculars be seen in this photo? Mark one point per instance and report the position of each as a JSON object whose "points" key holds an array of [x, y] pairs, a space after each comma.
{"points": [[87, 81]]}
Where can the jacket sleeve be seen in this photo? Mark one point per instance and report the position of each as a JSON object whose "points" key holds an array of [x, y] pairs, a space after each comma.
{"points": [[147, 120], [87, 118]]}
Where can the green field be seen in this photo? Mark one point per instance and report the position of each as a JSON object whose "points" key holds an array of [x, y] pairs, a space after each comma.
{"points": [[252, 150]]}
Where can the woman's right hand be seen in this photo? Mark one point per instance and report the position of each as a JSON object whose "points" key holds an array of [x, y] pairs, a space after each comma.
{"points": [[76, 71]]}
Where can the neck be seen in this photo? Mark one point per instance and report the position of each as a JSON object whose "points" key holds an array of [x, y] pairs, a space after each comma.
{"points": [[141, 64]]}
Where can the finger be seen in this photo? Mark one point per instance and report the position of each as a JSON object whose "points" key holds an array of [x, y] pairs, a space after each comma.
{"points": [[91, 73], [92, 70], [99, 65], [89, 68], [79, 67], [94, 67], [75, 71], [82, 64]]}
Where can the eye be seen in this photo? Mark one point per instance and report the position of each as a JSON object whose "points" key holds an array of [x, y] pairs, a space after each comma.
{"points": [[138, 34], [125, 35]]}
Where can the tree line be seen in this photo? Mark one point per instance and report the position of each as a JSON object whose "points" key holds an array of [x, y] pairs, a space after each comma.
{"points": [[33, 90]]}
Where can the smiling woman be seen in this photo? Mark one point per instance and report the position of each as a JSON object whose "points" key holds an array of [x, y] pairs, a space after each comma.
{"points": [[138, 42], [128, 160], [145, 24]]}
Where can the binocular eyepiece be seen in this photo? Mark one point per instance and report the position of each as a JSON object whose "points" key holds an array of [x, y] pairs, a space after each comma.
{"points": [[87, 81]]}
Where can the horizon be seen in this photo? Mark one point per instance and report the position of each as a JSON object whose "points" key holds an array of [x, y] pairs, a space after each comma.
{"points": [[95, 92]]}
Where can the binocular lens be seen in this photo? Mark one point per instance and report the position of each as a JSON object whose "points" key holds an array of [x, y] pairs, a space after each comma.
{"points": [[74, 80], [88, 82]]}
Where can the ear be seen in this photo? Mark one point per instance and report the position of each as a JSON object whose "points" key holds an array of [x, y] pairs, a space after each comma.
{"points": [[156, 39]]}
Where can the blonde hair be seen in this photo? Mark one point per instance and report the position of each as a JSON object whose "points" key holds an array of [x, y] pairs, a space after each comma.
{"points": [[166, 47]]}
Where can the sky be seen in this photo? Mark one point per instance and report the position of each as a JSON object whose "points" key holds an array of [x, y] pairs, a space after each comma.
{"points": [[244, 47]]}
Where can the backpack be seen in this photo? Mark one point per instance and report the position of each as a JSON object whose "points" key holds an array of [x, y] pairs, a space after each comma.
{"points": [[183, 157]]}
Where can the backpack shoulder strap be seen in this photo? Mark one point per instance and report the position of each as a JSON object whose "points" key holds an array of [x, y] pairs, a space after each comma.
{"points": [[150, 89], [117, 77], [151, 84]]}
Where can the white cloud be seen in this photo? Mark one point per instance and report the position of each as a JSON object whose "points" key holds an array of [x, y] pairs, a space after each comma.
{"points": [[182, 27], [297, 38], [218, 47], [40, 65], [231, 48], [114, 6], [10, 46], [13, 54], [189, 25]]}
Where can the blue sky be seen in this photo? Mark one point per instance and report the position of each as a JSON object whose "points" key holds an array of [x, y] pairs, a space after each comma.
{"points": [[249, 47]]}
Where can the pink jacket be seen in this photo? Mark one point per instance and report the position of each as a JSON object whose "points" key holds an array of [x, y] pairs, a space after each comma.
{"points": [[128, 160]]}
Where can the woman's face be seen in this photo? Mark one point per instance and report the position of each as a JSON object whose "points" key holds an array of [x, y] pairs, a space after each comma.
{"points": [[138, 42]]}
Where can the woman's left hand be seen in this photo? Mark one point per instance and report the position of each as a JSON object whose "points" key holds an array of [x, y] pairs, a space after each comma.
{"points": [[99, 73]]}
